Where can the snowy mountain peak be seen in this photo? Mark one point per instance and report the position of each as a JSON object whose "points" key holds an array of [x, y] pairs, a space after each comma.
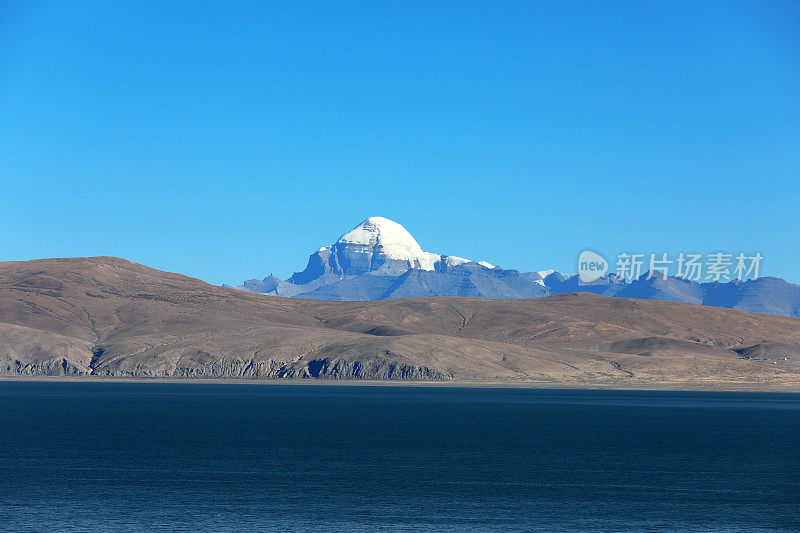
{"points": [[377, 246], [379, 231], [390, 240]]}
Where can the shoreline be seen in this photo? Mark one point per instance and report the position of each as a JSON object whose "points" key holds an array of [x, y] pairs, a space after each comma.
{"points": [[708, 386]]}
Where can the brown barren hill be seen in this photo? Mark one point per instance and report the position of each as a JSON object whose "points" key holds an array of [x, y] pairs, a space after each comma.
{"points": [[108, 317]]}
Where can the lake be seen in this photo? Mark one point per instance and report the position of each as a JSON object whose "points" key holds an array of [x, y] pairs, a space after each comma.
{"points": [[238, 457]]}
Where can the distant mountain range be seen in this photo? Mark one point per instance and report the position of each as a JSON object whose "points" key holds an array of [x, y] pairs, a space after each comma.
{"points": [[380, 260]]}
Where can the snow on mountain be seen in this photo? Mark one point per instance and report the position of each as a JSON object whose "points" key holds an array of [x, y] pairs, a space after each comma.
{"points": [[378, 236], [451, 260], [377, 246], [543, 274], [379, 259]]}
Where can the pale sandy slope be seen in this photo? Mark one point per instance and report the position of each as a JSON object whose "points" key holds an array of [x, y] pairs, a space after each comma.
{"points": [[109, 317]]}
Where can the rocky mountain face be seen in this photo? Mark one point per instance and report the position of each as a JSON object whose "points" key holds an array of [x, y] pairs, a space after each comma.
{"points": [[380, 260], [763, 295], [107, 317]]}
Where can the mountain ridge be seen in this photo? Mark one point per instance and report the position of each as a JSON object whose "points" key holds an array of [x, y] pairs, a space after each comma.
{"points": [[108, 317], [379, 259]]}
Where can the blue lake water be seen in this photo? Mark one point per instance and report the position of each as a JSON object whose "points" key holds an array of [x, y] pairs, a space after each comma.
{"points": [[136, 457]]}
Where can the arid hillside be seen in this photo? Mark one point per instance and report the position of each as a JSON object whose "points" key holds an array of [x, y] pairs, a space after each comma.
{"points": [[106, 316]]}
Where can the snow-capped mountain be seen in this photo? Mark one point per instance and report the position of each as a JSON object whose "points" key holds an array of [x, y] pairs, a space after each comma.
{"points": [[377, 245], [374, 260], [379, 259]]}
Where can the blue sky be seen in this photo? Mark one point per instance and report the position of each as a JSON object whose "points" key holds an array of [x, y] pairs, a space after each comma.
{"points": [[230, 140]]}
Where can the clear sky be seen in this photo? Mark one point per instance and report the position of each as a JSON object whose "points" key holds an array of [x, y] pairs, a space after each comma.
{"points": [[230, 140]]}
